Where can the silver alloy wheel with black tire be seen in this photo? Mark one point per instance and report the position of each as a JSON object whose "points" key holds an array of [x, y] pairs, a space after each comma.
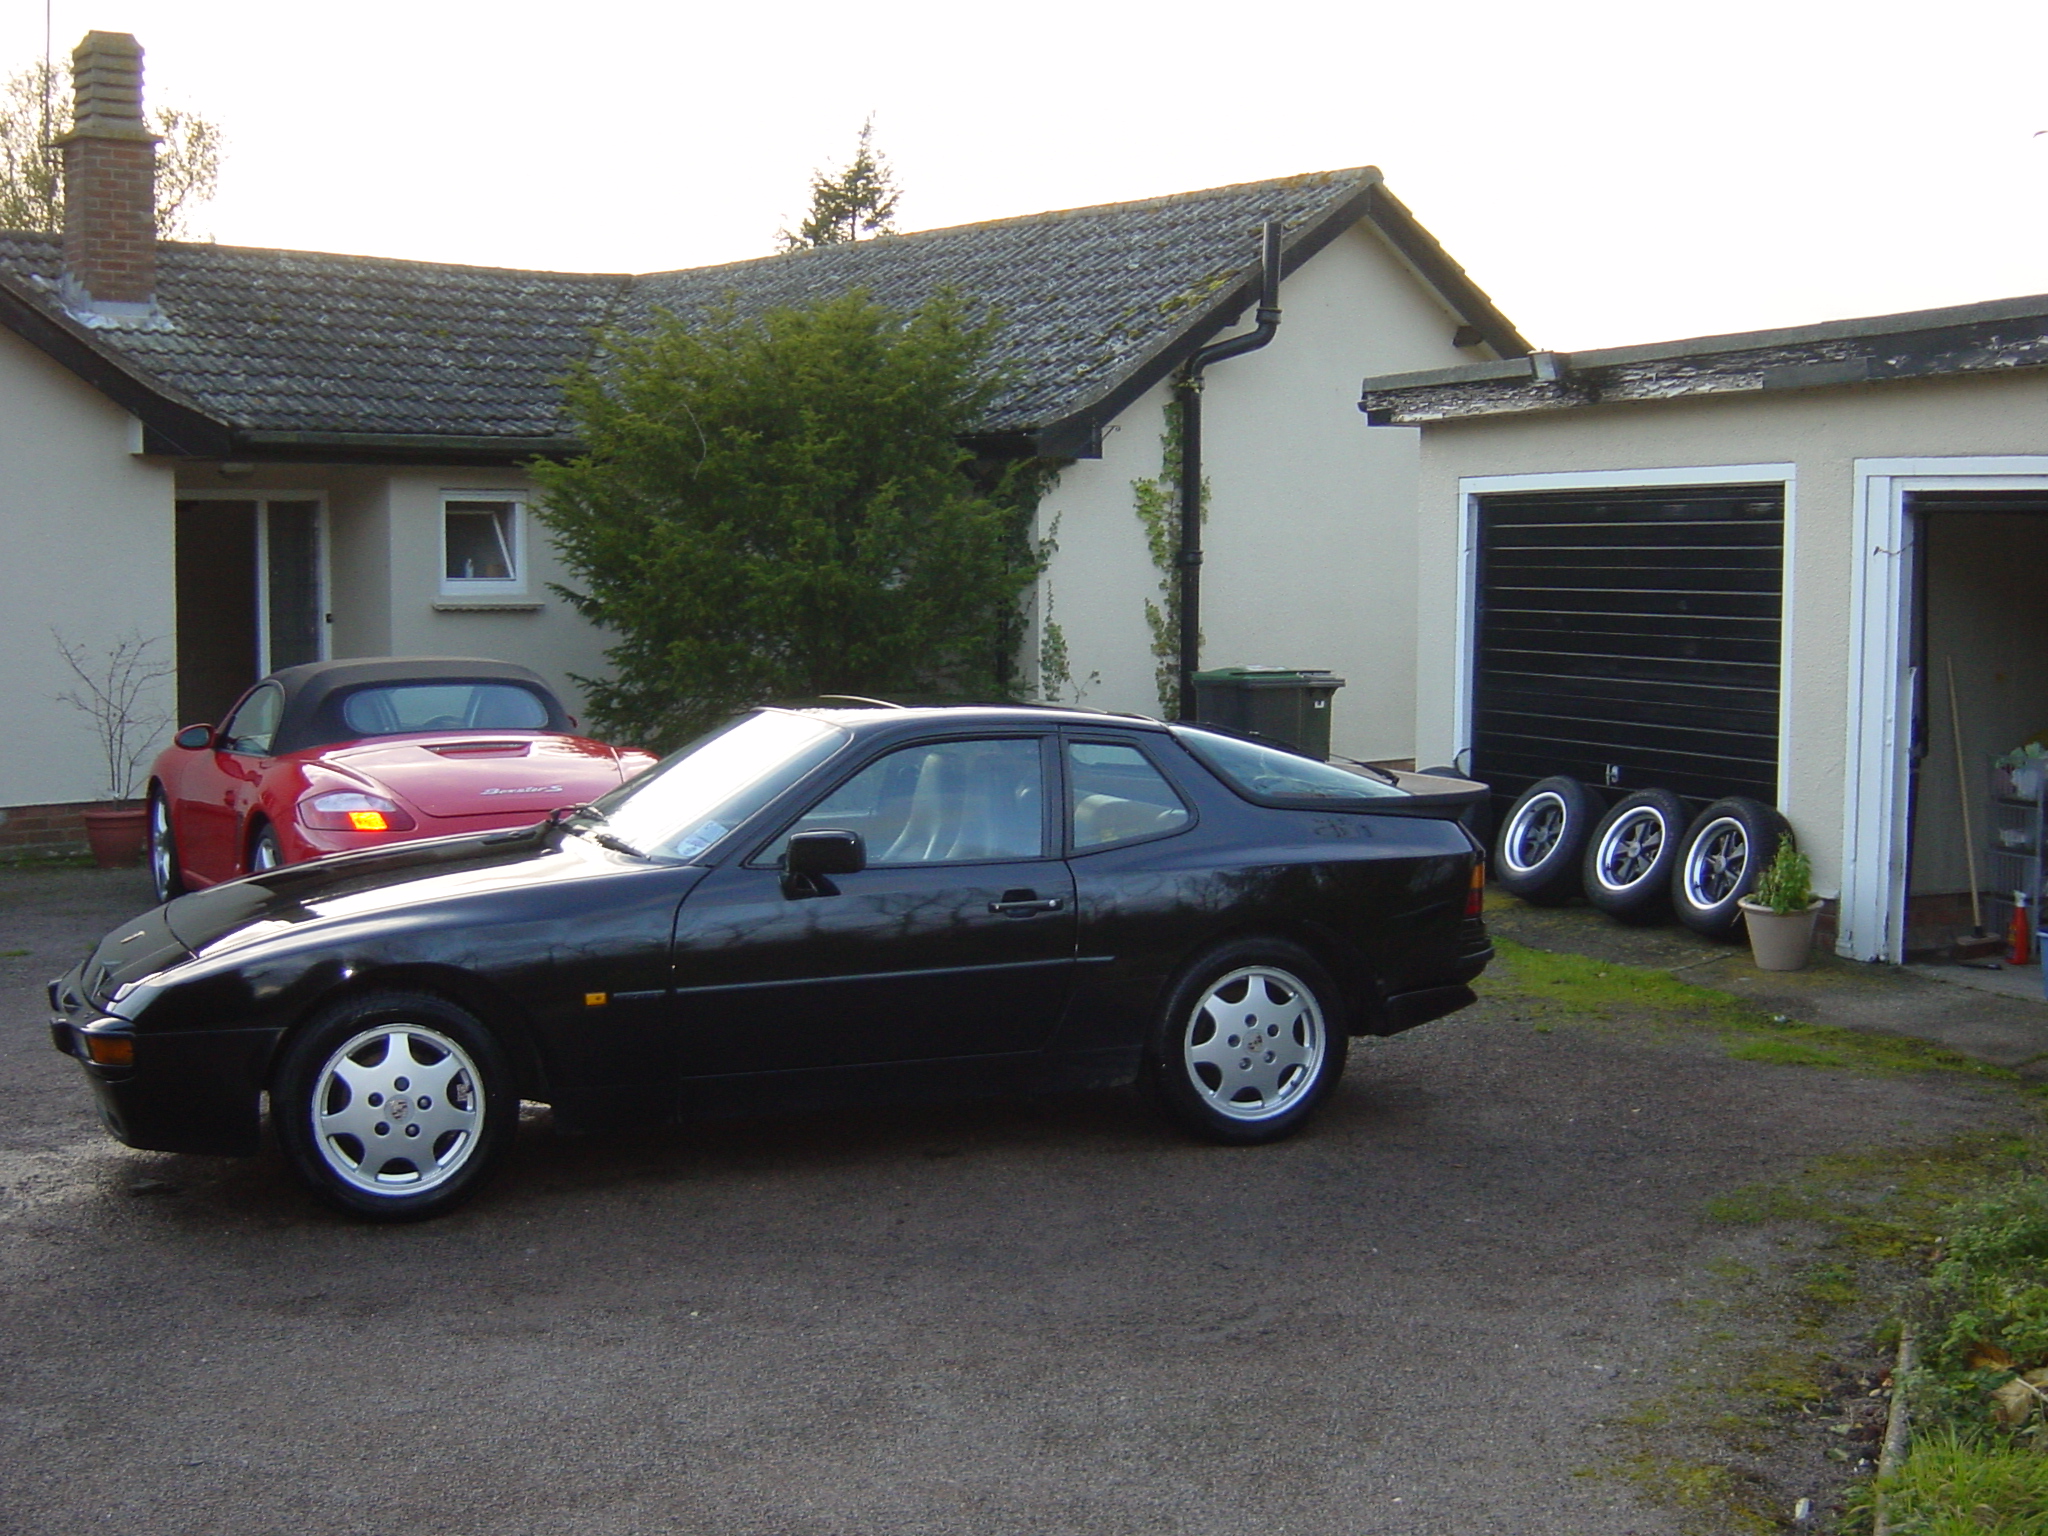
{"points": [[1251, 1039], [394, 1105], [164, 878], [266, 852], [1631, 854], [1543, 840], [1725, 852]]}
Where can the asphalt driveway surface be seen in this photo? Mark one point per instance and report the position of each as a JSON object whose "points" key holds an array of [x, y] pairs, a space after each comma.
{"points": [[1049, 1315]]}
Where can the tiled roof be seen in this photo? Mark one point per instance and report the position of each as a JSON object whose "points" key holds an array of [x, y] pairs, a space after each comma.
{"points": [[293, 342], [298, 341]]}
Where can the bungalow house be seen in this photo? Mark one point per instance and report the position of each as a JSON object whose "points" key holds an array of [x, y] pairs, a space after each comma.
{"points": [[249, 458], [1806, 565]]}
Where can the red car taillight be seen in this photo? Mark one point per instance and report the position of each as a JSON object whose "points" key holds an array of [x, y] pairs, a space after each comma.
{"points": [[1475, 899], [345, 810]]}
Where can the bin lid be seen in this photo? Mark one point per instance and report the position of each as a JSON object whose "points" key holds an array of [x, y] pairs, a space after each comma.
{"points": [[1269, 677]]}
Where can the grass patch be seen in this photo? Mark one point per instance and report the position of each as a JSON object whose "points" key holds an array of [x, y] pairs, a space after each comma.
{"points": [[1949, 1486], [1552, 984]]}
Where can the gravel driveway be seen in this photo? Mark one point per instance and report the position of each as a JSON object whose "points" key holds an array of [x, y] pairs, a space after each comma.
{"points": [[1049, 1315]]}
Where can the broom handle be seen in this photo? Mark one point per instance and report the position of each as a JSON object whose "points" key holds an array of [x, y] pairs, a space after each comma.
{"points": [[1955, 720]]}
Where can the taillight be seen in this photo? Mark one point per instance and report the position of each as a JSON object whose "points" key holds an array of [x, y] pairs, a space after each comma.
{"points": [[1475, 899], [347, 810]]}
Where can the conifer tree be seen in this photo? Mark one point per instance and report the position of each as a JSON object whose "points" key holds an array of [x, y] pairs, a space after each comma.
{"points": [[859, 201]]}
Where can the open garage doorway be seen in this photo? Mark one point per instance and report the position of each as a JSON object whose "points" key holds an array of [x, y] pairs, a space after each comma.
{"points": [[1979, 651], [251, 594]]}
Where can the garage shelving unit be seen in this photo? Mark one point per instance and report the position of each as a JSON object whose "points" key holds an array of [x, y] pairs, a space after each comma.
{"points": [[2013, 827]]}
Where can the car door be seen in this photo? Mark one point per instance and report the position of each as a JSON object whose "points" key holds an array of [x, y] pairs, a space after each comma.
{"points": [[216, 795], [956, 940]]}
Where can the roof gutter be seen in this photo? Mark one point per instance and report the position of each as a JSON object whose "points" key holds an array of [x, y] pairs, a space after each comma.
{"points": [[1187, 393]]}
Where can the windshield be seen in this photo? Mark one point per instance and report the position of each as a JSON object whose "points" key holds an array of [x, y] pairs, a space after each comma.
{"points": [[1271, 773], [401, 707], [682, 806]]}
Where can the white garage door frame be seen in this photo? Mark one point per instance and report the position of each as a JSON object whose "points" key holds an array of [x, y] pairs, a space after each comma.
{"points": [[1877, 798]]}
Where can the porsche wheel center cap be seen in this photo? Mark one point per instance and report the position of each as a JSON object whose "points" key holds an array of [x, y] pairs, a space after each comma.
{"points": [[397, 1109]]}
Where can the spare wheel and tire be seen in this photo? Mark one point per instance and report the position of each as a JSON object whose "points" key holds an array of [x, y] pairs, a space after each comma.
{"points": [[1726, 849], [1631, 854], [1544, 839]]}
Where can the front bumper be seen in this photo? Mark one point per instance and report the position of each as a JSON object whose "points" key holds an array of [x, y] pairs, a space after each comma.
{"points": [[186, 1091]]}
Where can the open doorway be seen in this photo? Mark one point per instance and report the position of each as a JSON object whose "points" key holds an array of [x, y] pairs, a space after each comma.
{"points": [[1979, 648], [251, 595]]}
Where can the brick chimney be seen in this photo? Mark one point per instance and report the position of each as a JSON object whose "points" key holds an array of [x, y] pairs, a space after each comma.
{"points": [[109, 177]]}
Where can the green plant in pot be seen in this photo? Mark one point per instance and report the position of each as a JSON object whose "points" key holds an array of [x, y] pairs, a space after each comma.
{"points": [[1781, 910]]}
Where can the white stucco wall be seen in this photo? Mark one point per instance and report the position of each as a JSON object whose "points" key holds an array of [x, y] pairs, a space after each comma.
{"points": [[1822, 433], [85, 549], [552, 639], [1310, 545]]}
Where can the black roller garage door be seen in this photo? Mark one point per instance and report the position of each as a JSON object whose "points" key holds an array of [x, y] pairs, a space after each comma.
{"points": [[1630, 637]]}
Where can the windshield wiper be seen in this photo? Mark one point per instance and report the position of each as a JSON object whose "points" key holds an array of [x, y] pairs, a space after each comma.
{"points": [[1382, 774], [612, 841]]}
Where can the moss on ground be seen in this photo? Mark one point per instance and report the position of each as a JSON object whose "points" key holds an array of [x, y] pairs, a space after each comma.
{"points": [[1857, 1231], [1553, 986]]}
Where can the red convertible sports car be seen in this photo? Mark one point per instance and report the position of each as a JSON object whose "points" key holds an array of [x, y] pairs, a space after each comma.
{"points": [[336, 756]]}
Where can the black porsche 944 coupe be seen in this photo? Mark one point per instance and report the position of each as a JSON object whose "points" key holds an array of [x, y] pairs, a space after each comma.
{"points": [[804, 907]]}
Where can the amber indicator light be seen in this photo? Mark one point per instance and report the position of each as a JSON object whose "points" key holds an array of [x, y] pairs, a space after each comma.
{"points": [[1475, 899], [368, 821], [596, 999], [110, 1050]]}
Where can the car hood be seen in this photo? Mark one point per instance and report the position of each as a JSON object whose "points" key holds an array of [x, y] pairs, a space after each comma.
{"points": [[472, 775], [381, 879]]}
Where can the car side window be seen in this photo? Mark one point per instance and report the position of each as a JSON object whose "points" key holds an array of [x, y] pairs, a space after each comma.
{"points": [[251, 728], [1115, 795], [951, 802]]}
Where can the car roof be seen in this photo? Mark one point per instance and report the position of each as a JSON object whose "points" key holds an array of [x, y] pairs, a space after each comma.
{"points": [[312, 691], [891, 717]]}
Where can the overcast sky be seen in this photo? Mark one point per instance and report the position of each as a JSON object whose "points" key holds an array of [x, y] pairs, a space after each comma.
{"points": [[1609, 172]]}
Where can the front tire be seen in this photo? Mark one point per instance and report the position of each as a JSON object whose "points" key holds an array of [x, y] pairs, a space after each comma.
{"points": [[1631, 854], [1251, 1040], [394, 1105], [1726, 850], [1543, 840], [164, 876]]}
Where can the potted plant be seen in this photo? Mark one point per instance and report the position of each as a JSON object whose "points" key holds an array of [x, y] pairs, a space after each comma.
{"points": [[1781, 910], [116, 691]]}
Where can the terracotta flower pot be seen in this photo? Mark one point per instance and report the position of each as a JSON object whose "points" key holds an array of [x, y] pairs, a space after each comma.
{"points": [[1779, 941], [117, 835]]}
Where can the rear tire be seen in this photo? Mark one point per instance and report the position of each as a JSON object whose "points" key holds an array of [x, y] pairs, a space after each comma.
{"points": [[394, 1105], [1726, 849], [1631, 854], [1543, 840], [266, 852], [1209, 1075], [164, 876]]}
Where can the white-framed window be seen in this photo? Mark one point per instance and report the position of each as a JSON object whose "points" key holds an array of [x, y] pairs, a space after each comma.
{"points": [[483, 544]]}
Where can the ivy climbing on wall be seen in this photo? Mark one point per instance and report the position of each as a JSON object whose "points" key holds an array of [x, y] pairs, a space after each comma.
{"points": [[1055, 664], [1157, 501]]}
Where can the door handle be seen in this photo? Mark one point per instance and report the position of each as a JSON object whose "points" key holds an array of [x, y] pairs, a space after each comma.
{"points": [[1026, 904]]}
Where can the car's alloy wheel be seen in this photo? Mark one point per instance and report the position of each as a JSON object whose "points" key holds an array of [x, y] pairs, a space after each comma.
{"points": [[1726, 849], [1251, 1039], [394, 1105], [1543, 840], [163, 849], [1631, 854]]}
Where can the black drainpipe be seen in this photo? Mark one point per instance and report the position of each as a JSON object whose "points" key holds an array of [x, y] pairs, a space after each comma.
{"points": [[1187, 390]]}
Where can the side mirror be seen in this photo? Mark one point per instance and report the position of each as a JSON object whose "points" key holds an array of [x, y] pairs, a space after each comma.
{"points": [[195, 738], [813, 857]]}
